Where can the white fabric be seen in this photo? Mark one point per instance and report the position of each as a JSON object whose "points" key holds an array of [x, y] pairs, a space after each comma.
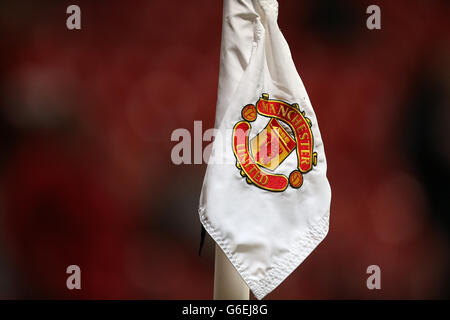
{"points": [[265, 234]]}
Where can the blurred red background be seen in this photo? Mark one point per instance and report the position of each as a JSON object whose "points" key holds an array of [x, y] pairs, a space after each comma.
{"points": [[86, 176]]}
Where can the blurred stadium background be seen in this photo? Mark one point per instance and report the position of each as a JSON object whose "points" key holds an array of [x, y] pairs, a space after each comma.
{"points": [[85, 123]]}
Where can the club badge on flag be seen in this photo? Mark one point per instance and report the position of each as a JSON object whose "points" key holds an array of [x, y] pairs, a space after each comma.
{"points": [[265, 201], [272, 145]]}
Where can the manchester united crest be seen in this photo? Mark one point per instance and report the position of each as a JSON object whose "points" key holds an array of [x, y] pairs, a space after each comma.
{"points": [[287, 129]]}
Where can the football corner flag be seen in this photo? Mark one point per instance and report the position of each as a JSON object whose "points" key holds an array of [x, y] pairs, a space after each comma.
{"points": [[265, 198]]}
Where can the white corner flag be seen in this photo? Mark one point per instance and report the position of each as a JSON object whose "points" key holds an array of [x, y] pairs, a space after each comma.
{"points": [[265, 198]]}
